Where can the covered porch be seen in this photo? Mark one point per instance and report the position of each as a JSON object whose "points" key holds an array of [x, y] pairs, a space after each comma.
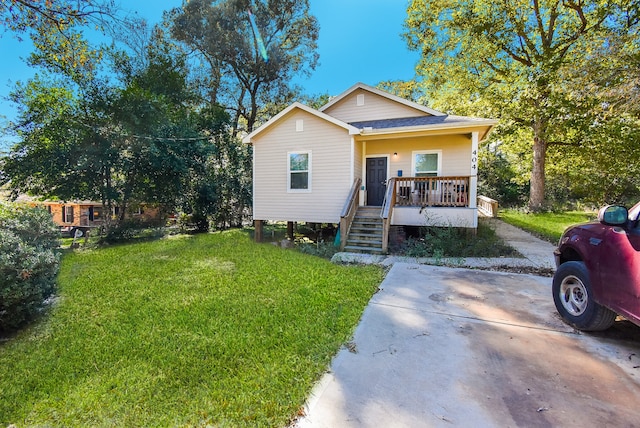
{"points": [[410, 201]]}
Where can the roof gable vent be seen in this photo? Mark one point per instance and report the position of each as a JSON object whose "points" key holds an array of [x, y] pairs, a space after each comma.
{"points": [[360, 100]]}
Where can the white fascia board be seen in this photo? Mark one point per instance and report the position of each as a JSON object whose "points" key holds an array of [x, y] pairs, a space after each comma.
{"points": [[352, 129]]}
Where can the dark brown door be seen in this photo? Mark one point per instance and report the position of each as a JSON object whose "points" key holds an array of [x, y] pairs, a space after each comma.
{"points": [[376, 180]]}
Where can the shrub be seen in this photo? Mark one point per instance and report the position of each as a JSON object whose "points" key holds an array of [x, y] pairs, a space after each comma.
{"points": [[320, 249], [456, 242], [28, 263]]}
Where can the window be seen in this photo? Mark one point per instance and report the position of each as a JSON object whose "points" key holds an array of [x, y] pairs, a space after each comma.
{"points": [[427, 164], [95, 213], [67, 214], [299, 172]]}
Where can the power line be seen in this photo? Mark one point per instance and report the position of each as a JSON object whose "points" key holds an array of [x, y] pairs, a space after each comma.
{"points": [[141, 137]]}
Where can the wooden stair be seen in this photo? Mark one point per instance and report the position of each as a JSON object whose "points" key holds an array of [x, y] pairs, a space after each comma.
{"points": [[365, 235]]}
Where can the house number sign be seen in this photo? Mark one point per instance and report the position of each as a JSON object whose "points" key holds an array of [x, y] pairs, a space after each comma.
{"points": [[474, 162]]}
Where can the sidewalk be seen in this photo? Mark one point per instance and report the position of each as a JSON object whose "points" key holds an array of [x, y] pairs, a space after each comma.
{"points": [[536, 253]]}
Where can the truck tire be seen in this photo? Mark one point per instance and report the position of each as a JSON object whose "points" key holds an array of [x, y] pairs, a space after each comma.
{"points": [[574, 299]]}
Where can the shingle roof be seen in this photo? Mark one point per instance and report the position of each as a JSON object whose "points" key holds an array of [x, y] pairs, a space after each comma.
{"points": [[413, 122]]}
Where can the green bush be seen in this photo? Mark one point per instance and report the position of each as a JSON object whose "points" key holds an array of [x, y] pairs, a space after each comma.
{"points": [[28, 263], [319, 249], [131, 228], [451, 241]]}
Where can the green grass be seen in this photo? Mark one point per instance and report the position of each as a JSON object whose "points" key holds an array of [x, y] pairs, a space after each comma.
{"points": [[548, 226], [190, 330]]}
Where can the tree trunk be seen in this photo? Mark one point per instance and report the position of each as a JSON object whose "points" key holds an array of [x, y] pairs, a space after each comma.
{"points": [[537, 185]]}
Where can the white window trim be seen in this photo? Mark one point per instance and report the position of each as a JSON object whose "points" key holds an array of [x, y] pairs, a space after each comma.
{"points": [[426, 152], [298, 152]]}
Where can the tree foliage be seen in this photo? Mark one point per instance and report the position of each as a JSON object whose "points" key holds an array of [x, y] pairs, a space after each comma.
{"points": [[53, 26], [138, 134], [251, 50], [28, 263], [136, 142], [513, 60]]}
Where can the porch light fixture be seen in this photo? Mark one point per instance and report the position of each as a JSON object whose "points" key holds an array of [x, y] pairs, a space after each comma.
{"points": [[395, 154]]}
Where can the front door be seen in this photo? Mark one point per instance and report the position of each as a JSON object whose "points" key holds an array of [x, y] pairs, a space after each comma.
{"points": [[376, 180]]}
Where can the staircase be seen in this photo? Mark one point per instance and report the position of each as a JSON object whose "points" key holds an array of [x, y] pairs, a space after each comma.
{"points": [[365, 235]]}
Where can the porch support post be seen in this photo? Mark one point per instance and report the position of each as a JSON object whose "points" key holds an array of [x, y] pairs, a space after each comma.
{"points": [[290, 230], [473, 175], [259, 229]]}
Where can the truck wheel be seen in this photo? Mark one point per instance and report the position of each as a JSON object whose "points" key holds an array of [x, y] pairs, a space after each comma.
{"points": [[574, 300]]}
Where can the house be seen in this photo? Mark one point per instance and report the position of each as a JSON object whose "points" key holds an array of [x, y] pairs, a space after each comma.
{"points": [[77, 217], [368, 160]]}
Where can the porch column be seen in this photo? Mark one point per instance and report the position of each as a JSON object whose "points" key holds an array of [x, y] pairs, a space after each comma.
{"points": [[473, 175]]}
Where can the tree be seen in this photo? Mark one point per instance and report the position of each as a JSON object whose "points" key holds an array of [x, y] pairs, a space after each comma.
{"points": [[514, 56], [52, 25], [252, 49], [409, 90], [28, 263], [138, 142], [25, 15]]}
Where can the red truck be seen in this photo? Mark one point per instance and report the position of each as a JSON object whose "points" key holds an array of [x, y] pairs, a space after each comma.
{"points": [[598, 270]]}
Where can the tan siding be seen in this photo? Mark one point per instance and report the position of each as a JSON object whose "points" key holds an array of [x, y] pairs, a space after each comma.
{"points": [[456, 153], [375, 108], [330, 170]]}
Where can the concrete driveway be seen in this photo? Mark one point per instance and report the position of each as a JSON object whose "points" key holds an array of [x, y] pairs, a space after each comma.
{"points": [[449, 347]]}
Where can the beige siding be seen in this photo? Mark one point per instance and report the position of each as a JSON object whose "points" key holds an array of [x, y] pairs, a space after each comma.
{"points": [[330, 148], [375, 107], [456, 153]]}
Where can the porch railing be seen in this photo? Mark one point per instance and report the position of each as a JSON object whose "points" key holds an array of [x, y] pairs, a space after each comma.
{"points": [[348, 212], [487, 207], [432, 191]]}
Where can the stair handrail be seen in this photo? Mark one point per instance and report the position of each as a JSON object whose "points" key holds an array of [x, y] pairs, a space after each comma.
{"points": [[387, 211], [348, 212]]}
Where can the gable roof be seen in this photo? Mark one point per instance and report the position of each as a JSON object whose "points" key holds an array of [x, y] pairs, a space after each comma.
{"points": [[352, 130], [383, 94], [382, 128]]}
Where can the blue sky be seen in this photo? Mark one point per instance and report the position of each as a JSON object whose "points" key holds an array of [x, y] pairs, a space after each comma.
{"points": [[360, 41]]}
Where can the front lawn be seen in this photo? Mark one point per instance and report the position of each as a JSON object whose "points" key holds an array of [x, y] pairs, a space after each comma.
{"points": [[549, 225], [190, 330]]}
